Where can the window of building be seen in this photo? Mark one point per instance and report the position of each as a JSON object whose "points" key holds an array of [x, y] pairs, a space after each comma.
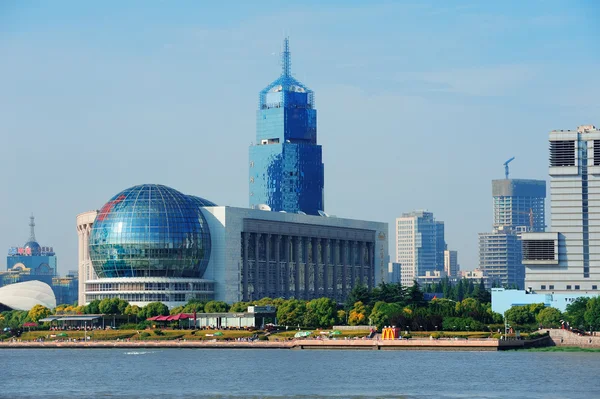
{"points": [[594, 287], [543, 287], [551, 287], [568, 287], [576, 287]]}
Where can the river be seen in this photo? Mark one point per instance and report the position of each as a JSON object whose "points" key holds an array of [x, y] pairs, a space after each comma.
{"points": [[303, 374]]}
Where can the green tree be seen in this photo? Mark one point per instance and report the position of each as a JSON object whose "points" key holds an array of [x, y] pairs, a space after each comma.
{"points": [[469, 307], [154, 309], [575, 314], [359, 293], [592, 313], [415, 295], [176, 310], [549, 317], [520, 315], [320, 312], [385, 314], [291, 312], [358, 314], [442, 307], [132, 310], [93, 307], [239, 307], [216, 307], [194, 305], [38, 312]]}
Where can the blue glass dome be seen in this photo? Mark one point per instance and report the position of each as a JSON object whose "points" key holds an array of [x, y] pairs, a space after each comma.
{"points": [[150, 231], [35, 248], [201, 201]]}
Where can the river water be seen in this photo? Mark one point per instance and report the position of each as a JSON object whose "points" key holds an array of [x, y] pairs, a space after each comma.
{"points": [[302, 374]]}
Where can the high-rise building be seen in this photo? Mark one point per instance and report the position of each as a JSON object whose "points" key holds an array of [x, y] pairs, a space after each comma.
{"points": [[31, 261], [418, 245], [518, 206], [451, 263], [567, 259], [286, 167]]}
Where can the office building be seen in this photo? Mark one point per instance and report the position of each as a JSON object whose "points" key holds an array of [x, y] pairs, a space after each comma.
{"points": [[518, 206], [394, 274], [152, 243], [419, 248], [286, 168], [451, 263], [567, 259]]}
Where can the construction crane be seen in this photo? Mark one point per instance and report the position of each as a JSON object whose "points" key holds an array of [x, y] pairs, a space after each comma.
{"points": [[506, 167]]}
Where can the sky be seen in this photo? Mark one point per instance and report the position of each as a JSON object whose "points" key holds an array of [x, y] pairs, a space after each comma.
{"points": [[419, 103]]}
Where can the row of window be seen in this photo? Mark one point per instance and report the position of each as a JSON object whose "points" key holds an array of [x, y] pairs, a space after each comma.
{"points": [[206, 286], [150, 297], [569, 287]]}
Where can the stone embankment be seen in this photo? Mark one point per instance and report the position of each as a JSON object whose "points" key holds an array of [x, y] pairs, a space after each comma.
{"points": [[569, 338], [359, 344]]}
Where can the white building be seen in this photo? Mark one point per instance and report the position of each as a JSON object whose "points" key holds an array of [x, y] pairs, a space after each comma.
{"points": [[85, 221], [258, 253], [567, 259], [419, 247]]}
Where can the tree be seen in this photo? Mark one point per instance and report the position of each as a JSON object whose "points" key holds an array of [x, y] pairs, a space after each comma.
{"points": [[520, 315], [442, 307], [320, 312], [385, 314], [359, 293], [549, 317], [592, 313], [291, 312], [415, 295], [93, 307], [112, 306], [469, 307], [132, 310], [176, 310], [153, 309], [358, 314], [216, 307], [38, 312], [576, 312], [239, 307], [194, 305]]}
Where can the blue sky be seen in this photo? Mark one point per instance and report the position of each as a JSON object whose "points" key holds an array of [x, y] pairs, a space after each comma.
{"points": [[419, 103]]}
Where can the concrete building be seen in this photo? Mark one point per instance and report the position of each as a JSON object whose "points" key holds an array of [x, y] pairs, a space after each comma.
{"points": [[567, 259], [431, 277], [420, 245], [39, 260], [85, 222], [451, 263], [518, 206], [224, 253]]}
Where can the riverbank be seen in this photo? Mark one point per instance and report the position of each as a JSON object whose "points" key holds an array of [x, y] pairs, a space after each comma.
{"points": [[359, 344]]}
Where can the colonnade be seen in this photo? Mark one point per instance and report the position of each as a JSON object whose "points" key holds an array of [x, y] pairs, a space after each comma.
{"points": [[276, 265]]}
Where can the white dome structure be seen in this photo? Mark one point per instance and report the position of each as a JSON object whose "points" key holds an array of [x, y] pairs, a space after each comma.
{"points": [[24, 296]]}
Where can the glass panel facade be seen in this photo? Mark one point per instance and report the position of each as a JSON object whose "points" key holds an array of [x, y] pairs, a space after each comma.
{"points": [[150, 231], [286, 167]]}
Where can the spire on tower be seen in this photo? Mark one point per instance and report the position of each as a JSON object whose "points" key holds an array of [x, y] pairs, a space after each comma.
{"points": [[32, 228], [286, 61]]}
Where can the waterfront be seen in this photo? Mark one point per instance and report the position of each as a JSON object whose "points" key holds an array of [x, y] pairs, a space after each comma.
{"points": [[57, 373]]}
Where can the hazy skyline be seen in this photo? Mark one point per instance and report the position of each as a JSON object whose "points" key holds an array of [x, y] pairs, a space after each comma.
{"points": [[418, 105]]}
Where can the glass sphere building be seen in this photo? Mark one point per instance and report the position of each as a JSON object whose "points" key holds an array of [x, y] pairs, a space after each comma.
{"points": [[150, 240]]}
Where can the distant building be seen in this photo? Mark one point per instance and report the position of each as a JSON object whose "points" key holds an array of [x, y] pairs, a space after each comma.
{"points": [[451, 263], [286, 166], [39, 260], [66, 289], [567, 260], [394, 273], [519, 206], [431, 277], [420, 245]]}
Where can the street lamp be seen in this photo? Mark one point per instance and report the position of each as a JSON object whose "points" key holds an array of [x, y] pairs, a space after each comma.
{"points": [[435, 328]]}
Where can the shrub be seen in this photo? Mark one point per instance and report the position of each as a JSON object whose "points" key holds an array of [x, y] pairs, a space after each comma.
{"points": [[436, 335], [158, 331], [263, 338], [128, 326], [144, 335], [407, 336]]}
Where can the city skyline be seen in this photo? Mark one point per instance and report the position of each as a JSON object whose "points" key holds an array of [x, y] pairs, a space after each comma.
{"points": [[89, 107]]}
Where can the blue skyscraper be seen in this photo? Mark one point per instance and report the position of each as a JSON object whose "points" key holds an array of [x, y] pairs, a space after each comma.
{"points": [[286, 167]]}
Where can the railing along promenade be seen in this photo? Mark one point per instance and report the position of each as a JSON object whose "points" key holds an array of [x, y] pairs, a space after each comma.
{"points": [[478, 344]]}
